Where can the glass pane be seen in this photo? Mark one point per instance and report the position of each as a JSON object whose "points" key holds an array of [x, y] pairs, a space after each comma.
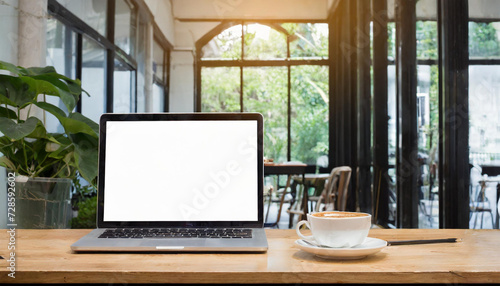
{"points": [[91, 12], [220, 89], [427, 9], [391, 41], [309, 111], [428, 139], [484, 9], [61, 54], [158, 56], [484, 140], [484, 40], [265, 91], [308, 40], [125, 26], [264, 43], [158, 98], [93, 79], [484, 104], [391, 112], [226, 45], [123, 88], [427, 40]]}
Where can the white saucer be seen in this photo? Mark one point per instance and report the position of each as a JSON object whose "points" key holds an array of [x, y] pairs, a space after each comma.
{"points": [[369, 246]]}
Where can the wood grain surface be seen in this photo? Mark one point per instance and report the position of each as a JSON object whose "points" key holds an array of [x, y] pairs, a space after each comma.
{"points": [[44, 256]]}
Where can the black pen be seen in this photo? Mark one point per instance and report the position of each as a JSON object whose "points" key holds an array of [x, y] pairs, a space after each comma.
{"points": [[422, 241]]}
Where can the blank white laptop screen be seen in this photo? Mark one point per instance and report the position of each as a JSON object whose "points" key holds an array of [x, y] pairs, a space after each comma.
{"points": [[181, 171]]}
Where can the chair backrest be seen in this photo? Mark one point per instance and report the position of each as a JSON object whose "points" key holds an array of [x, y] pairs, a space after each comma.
{"points": [[475, 177], [334, 195]]}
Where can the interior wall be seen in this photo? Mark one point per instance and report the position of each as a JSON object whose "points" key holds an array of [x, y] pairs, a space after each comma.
{"points": [[181, 81], [163, 17]]}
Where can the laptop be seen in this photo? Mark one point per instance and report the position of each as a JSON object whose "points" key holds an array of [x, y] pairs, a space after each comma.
{"points": [[177, 182]]}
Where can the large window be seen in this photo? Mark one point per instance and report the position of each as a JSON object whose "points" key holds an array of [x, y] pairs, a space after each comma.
{"points": [[110, 58], [279, 70], [90, 11], [61, 54], [93, 79], [427, 104]]}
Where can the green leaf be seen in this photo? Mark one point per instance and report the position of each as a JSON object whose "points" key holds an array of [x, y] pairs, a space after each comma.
{"points": [[80, 117], [5, 162], [5, 100], [87, 166], [8, 113], [75, 86], [76, 124], [18, 91], [73, 126], [59, 153], [72, 85], [44, 87], [39, 153], [9, 67], [18, 131], [39, 132], [68, 90], [60, 139], [54, 110], [5, 141], [38, 70], [68, 99], [86, 155]]}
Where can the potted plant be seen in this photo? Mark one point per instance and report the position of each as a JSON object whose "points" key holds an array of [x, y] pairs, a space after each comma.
{"points": [[44, 164]]}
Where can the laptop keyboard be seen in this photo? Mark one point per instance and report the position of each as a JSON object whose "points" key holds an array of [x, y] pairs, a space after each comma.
{"points": [[177, 233]]}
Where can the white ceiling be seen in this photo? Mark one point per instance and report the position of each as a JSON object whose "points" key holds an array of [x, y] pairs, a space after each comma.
{"points": [[251, 9]]}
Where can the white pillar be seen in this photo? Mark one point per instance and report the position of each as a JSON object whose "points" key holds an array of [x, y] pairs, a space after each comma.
{"points": [[182, 81], [31, 40]]}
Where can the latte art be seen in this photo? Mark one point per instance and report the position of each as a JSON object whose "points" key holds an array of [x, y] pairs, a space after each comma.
{"points": [[338, 214]]}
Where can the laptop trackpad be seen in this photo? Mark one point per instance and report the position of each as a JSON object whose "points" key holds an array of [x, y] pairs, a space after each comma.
{"points": [[169, 243]]}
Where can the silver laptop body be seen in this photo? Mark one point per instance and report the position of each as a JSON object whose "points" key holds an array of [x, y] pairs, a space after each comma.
{"points": [[190, 181]]}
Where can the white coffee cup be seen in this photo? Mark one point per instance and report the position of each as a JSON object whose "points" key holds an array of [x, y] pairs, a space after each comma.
{"points": [[336, 228]]}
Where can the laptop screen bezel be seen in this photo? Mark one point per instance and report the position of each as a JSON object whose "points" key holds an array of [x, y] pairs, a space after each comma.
{"points": [[107, 117]]}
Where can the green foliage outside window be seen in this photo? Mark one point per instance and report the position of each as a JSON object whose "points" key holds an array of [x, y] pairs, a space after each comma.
{"points": [[220, 88], [265, 89], [483, 40]]}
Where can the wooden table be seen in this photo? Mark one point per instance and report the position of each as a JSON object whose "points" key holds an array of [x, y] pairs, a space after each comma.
{"points": [[44, 256]]}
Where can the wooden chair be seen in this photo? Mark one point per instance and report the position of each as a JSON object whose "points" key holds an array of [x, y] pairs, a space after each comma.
{"points": [[334, 196], [289, 169]]}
